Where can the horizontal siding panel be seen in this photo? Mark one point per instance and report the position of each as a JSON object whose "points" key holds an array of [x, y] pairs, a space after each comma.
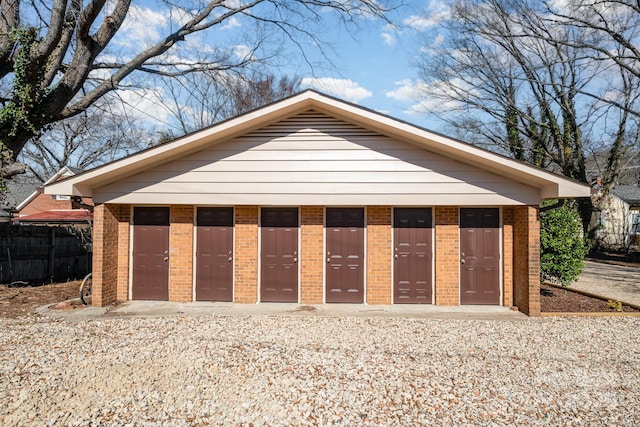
{"points": [[308, 142], [394, 165], [313, 159], [422, 177], [314, 123], [304, 155], [319, 200], [301, 188]]}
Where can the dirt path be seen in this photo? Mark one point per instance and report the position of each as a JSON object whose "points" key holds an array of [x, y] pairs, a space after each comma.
{"points": [[22, 301]]}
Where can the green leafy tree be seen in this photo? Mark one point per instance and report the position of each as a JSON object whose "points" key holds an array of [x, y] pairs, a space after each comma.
{"points": [[562, 243]]}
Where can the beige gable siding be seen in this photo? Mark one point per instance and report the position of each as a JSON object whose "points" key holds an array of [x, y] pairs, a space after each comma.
{"points": [[313, 159]]}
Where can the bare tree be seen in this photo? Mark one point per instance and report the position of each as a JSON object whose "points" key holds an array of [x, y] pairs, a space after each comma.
{"points": [[198, 101], [87, 140], [56, 57], [247, 94], [611, 36], [611, 28], [523, 84]]}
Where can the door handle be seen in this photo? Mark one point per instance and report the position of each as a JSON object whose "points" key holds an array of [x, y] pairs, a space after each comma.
{"points": [[166, 259], [295, 260], [462, 261], [396, 256], [229, 260]]}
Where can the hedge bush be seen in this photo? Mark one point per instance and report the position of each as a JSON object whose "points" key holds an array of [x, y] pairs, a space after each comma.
{"points": [[562, 243]]}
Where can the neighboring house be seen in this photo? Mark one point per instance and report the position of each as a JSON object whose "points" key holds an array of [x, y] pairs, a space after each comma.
{"points": [[313, 200], [53, 209], [16, 192], [48, 238], [620, 218]]}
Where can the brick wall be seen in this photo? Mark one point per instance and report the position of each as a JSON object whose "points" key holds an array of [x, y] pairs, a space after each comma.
{"points": [[181, 253], [526, 266], [124, 228], [379, 255], [447, 249], [521, 252], [105, 254], [507, 256], [311, 255], [47, 202], [246, 255]]}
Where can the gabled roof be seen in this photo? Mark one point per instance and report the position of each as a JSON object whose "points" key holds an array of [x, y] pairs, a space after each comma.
{"points": [[64, 172], [550, 185], [628, 193]]}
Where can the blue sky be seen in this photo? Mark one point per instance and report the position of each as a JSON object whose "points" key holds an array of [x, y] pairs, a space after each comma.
{"points": [[373, 66], [378, 67]]}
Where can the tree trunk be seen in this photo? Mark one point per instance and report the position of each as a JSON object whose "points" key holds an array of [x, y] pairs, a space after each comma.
{"points": [[12, 168]]}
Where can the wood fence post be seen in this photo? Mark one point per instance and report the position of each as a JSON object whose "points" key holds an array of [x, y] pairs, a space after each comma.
{"points": [[52, 253]]}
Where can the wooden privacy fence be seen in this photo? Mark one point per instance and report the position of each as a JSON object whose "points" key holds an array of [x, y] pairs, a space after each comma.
{"points": [[37, 254]]}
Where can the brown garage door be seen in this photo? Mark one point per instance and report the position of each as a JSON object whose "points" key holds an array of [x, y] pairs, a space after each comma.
{"points": [[150, 253], [279, 255], [345, 255], [214, 254], [412, 265], [479, 256]]}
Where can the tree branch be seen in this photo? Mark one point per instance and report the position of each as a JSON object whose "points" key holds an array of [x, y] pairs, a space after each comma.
{"points": [[9, 19]]}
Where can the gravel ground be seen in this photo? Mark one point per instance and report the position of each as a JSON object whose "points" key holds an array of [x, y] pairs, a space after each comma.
{"points": [[262, 370]]}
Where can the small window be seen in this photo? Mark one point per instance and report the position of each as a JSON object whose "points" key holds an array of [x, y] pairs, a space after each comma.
{"points": [[61, 197], [635, 223]]}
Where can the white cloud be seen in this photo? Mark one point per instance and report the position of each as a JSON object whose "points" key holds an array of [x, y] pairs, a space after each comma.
{"points": [[144, 105], [388, 38], [406, 91], [142, 27], [180, 16], [100, 73], [233, 4], [425, 97], [419, 23], [436, 12], [230, 23], [342, 88], [389, 34], [243, 53], [562, 5]]}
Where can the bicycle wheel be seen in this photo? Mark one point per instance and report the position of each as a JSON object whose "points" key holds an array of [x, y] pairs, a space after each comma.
{"points": [[85, 289]]}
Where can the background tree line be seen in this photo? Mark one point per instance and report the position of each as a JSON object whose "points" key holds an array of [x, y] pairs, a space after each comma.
{"points": [[554, 84]]}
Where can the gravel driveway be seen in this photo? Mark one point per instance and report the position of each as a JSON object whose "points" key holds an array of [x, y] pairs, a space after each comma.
{"points": [[621, 283], [261, 370]]}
